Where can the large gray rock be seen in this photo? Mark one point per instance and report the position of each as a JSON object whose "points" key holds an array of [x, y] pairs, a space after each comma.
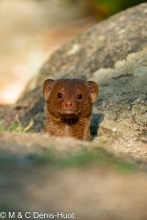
{"points": [[113, 53]]}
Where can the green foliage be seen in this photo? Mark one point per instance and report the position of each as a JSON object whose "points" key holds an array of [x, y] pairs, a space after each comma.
{"points": [[86, 158], [114, 6], [1, 126], [14, 127], [18, 128]]}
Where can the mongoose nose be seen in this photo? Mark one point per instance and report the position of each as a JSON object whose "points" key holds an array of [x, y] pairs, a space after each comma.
{"points": [[68, 104]]}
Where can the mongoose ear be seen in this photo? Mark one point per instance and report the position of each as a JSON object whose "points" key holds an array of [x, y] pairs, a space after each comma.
{"points": [[47, 86], [93, 88]]}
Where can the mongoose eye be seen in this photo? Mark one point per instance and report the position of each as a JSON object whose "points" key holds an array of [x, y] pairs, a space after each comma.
{"points": [[79, 96], [60, 95]]}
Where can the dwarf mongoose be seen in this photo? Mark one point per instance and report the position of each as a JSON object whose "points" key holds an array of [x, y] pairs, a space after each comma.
{"points": [[69, 107]]}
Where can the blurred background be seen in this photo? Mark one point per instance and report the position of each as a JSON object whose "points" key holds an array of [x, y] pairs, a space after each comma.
{"points": [[31, 30]]}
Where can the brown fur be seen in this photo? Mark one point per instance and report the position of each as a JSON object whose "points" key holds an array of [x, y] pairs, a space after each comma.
{"points": [[69, 107]]}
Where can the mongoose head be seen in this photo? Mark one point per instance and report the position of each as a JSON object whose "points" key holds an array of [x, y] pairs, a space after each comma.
{"points": [[69, 98]]}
